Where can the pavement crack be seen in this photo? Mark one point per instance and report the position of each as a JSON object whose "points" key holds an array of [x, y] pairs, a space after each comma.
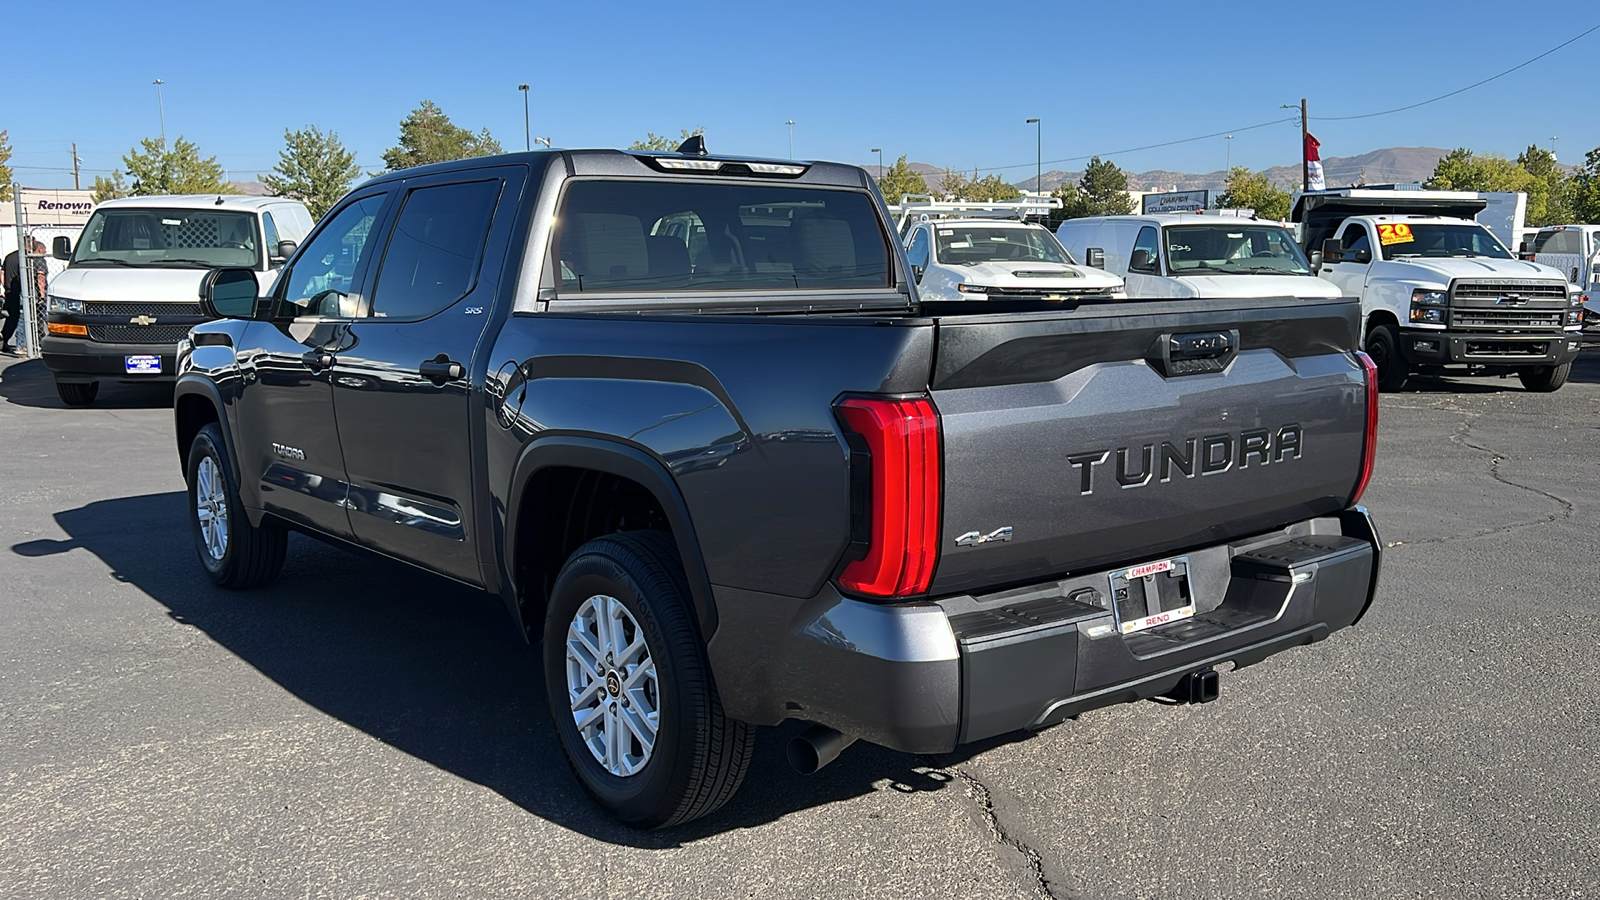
{"points": [[1464, 436], [985, 800]]}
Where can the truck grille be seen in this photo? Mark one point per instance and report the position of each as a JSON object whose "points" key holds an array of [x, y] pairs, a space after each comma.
{"points": [[131, 309], [1507, 348], [1030, 293], [138, 334], [1504, 318], [1526, 288]]}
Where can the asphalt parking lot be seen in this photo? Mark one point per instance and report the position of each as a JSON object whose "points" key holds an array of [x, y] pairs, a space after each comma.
{"points": [[364, 730]]}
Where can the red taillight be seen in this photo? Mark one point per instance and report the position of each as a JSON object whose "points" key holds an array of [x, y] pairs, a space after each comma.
{"points": [[1370, 453], [902, 437]]}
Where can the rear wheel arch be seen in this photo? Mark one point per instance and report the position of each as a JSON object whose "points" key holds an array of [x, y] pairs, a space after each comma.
{"points": [[567, 490]]}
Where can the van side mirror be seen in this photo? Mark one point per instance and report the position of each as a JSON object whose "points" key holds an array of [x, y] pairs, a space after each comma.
{"points": [[229, 293], [282, 252], [1332, 250], [61, 247], [1141, 260], [1316, 261], [1095, 258]]}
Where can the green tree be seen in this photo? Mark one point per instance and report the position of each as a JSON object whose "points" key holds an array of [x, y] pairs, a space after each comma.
{"points": [[179, 170], [5, 166], [428, 136], [314, 168], [1463, 170], [991, 188], [1585, 190], [662, 143], [955, 186], [901, 179], [1102, 191], [110, 188], [1550, 192], [1253, 190]]}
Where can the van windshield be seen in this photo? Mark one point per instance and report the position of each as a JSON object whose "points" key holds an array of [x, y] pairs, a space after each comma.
{"points": [[162, 238], [1403, 240], [960, 245], [1234, 248]]}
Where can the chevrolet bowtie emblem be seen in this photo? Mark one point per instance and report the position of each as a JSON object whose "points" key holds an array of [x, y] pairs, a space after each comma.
{"points": [[142, 320]]}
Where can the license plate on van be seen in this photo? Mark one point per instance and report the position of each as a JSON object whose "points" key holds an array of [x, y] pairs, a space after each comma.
{"points": [[143, 365]]}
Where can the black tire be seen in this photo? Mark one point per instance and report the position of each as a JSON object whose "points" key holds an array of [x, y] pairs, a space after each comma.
{"points": [[251, 556], [1545, 379], [699, 757], [77, 393], [1383, 346]]}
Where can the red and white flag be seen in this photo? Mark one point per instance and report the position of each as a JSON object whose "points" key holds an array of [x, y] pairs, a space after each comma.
{"points": [[1314, 179]]}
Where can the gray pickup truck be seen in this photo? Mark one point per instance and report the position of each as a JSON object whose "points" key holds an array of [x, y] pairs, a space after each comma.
{"points": [[688, 418]]}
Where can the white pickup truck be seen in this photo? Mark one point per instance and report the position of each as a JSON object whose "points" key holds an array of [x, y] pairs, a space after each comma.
{"points": [[1440, 293]]}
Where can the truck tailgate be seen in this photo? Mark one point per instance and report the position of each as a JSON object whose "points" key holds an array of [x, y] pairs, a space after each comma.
{"points": [[1124, 433]]}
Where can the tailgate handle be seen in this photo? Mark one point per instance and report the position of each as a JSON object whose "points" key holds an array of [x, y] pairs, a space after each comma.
{"points": [[1193, 353]]}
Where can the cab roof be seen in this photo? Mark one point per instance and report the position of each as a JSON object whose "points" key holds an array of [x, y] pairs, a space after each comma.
{"points": [[237, 202]]}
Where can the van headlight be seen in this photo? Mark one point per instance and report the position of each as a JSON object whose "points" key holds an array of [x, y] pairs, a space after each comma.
{"points": [[63, 305], [972, 289], [1425, 297]]}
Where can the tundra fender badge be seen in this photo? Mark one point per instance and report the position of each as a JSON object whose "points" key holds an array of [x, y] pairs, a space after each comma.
{"points": [[974, 538], [288, 452]]}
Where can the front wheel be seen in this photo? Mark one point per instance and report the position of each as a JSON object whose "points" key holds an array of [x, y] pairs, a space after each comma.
{"points": [[1383, 346], [1545, 379], [234, 553], [77, 393], [630, 689]]}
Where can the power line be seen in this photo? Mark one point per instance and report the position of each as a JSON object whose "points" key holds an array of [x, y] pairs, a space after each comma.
{"points": [[1461, 90], [1186, 140]]}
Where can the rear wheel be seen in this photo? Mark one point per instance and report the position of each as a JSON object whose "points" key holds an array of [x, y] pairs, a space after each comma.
{"points": [[1545, 379], [77, 393], [630, 689], [234, 553], [1383, 346]]}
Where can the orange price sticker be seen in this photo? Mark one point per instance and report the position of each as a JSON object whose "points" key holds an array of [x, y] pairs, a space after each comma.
{"points": [[1395, 234]]}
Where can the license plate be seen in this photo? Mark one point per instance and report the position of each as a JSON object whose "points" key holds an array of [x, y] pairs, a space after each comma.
{"points": [[1155, 593], [143, 365]]}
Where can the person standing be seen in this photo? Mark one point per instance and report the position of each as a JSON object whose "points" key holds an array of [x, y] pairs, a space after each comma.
{"points": [[13, 289]]}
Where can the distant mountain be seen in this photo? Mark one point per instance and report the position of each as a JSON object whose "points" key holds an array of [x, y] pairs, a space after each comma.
{"points": [[249, 188], [1386, 166]]}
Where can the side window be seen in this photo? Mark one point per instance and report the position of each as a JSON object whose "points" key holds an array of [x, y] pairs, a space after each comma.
{"points": [[270, 228], [1148, 242], [319, 283], [432, 259], [1355, 238], [917, 253]]}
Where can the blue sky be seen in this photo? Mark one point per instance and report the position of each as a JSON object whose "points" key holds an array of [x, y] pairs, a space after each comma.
{"points": [[945, 83]]}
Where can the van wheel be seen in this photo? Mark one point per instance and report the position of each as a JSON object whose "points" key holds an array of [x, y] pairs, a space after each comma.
{"points": [[234, 553], [77, 393], [1383, 346], [630, 689], [1545, 379]]}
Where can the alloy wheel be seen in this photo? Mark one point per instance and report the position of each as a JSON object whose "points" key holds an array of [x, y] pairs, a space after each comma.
{"points": [[612, 685]]}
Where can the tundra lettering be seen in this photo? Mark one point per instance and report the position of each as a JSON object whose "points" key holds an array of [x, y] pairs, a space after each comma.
{"points": [[1218, 453]]}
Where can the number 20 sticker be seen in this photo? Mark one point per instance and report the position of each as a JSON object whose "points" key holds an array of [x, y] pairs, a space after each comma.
{"points": [[1395, 234]]}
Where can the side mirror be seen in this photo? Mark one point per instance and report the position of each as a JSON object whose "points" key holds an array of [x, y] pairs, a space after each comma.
{"points": [[1094, 258], [1316, 261], [916, 272], [282, 252], [1361, 256], [1141, 261], [61, 247], [229, 293], [1332, 250]]}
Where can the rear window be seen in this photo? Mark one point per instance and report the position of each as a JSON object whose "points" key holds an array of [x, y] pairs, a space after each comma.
{"points": [[1567, 240], [660, 236]]}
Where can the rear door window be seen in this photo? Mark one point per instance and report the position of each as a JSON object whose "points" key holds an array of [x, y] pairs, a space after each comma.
{"points": [[1567, 240], [667, 236], [433, 257]]}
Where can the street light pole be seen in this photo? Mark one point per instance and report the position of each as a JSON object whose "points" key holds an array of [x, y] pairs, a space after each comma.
{"points": [[1229, 167], [790, 123], [879, 151], [1038, 155], [161, 105], [527, 140]]}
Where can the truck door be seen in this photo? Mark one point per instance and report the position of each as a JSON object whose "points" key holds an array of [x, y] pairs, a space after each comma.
{"points": [[403, 385], [1349, 272], [287, 437]]}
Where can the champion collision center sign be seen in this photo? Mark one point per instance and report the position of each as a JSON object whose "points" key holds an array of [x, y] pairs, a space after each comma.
{"points": [[1176, 201]]}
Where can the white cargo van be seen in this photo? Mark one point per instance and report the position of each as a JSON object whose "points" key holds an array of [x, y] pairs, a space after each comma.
{"points": [[1196, 255], [1575, 250], [131, 289]]}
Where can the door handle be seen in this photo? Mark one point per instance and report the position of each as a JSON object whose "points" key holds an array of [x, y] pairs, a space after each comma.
{"points": [[318, 359], [441, 369]]}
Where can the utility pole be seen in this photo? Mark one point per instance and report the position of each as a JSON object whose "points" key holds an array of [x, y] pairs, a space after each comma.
{"points": [[527, 140], [1038, 155], [1305, 164], [75, 160], [790, 123], [162, 106]]}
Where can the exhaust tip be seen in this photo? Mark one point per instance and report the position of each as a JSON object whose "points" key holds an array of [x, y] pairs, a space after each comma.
{"points": [[815, 747]]}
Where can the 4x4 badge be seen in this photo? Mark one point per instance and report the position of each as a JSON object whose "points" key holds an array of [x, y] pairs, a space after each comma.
{"points": [[974, 538]]}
